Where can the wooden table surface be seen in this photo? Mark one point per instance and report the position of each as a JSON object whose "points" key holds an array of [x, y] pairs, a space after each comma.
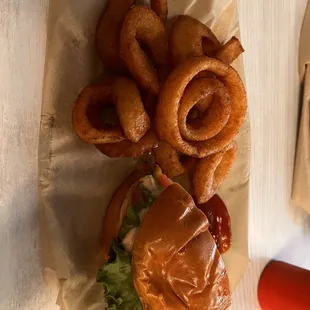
{"points": [[269, 31]]}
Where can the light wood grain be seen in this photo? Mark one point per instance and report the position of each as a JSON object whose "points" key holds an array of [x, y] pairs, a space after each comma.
{"points": [[22, 41], [269, 31]]}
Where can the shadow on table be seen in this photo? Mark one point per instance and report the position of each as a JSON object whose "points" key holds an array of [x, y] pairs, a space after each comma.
{"points": [[295, 250], [300, 217], [250, 282]]}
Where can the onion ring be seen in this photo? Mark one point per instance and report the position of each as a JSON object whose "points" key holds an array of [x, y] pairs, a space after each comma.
{"points": [[150, 103], [123, 93], [160, 7], [211, 171], [90, 96], [143, 27], [169, 160], [202, 105], [189, 37], [132, 115], [108, 33], [127, 148], [230, 51], [215, 116], [170, 98]]}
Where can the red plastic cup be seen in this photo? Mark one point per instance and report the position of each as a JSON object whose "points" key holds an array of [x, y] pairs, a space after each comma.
{"points": [[284, 287]]}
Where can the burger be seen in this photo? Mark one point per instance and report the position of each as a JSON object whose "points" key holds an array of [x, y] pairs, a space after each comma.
{"points": [[157, 250]]}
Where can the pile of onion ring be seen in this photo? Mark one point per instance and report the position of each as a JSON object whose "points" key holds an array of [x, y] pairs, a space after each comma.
{"points": [[173, 95]]}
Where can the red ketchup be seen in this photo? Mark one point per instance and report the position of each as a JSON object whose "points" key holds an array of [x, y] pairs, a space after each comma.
{"points": [[284, 287], [219, 219]]}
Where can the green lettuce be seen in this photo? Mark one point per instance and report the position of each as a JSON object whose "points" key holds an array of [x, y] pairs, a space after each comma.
{"points": [[132, 218], [116, 275], [116, 278]]}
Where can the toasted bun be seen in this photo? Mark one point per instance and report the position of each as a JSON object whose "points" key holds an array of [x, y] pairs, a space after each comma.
{"points": [[118, 207], [176, 264]]}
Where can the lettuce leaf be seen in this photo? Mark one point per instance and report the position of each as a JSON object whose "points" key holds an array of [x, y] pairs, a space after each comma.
{"points": [[132, 218], [116, 275], [116, 278]]}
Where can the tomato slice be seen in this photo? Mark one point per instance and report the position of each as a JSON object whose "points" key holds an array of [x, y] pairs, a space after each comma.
{"points": [[164, 180], [219, 219]]}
